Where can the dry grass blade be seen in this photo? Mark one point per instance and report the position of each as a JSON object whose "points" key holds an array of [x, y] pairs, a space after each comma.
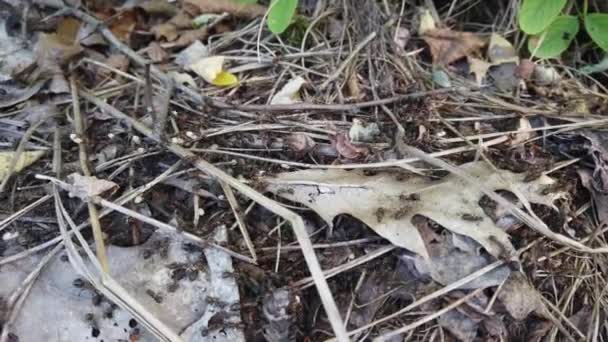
{"points": [[296, 221], [100, 247]]}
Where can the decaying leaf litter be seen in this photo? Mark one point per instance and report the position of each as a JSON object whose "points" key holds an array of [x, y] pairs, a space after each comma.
{"points": [[386, 170]]}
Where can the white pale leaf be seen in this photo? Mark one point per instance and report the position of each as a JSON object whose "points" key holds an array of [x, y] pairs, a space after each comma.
{"points": [[290, 93], [208, 68]]}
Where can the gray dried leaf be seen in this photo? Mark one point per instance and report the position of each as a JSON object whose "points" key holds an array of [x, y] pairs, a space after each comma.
{"points": [[278, 318], [519, 297], [387, 201], [460, 325], [85, 187]]}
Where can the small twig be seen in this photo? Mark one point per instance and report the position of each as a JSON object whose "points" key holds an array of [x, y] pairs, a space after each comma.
{"points": [[234, 204], [100, 247], [160, 120], [4, 223], [149, 104], [348, 59]]}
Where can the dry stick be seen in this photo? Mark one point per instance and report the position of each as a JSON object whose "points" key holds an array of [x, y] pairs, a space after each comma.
{"points": [[100, 247], [348, 59], [162, 113], [296, 221], [239, 218], [4, 223], [428, 318], [532, 222]]}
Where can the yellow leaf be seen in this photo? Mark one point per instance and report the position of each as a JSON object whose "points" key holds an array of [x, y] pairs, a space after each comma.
{"points": [[225, 79], [427, 23], [25, 159]]}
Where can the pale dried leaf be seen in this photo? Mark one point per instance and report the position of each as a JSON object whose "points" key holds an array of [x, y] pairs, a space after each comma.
{"points": [[26, 159], [290, 93], [427, 23], [448, 46], [402, 36], [360, 132], [233, 7], [460, 325], [500, 50], [383, 201], [168, 31], [519, 297], [85, 187], [448, 264], [182, 78], [479, 68], [195, 52], [208, 68], [524, 133]]}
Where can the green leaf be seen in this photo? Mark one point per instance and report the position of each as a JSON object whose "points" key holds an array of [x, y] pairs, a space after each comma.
{"points": [[597, 27], [281, 12], [557, 37], [536, 15]]}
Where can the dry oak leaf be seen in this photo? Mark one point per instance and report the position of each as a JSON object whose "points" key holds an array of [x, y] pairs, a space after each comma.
{"points": [[387, 202], [448, 46], [236, 9]]}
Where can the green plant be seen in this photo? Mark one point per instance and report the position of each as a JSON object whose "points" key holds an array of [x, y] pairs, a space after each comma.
{"points": [[553, 31], [280, 13]]}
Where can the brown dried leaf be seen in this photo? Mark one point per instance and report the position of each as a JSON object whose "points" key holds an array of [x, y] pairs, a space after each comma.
{"points": [[232, 7], [190, 36], [300, 142], [119, 62], [525, 69], [448, 46], [52, 52], [165, 30], [346, 148], [156, 53]]}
